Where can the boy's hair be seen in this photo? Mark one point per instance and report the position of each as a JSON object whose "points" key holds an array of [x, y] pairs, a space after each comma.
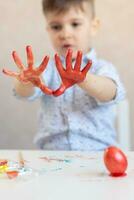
{"points": [[63, 5]]}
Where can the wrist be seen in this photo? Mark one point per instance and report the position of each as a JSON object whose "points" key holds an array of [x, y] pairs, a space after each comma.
{"points": [[85, 82], [24, 89]]}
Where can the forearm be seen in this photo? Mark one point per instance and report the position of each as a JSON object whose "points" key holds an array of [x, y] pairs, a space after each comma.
{"points": [[99, 87], [24, 89]]}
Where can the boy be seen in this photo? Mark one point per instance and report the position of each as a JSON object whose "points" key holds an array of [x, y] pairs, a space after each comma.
{"points": [[82, 118]]}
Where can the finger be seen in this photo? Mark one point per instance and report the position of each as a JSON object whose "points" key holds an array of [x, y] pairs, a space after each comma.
{"points": [[45, 89], [59, 65], [42, 66], [38, 83], [87, 67], [30, 58], [78, 61], [10, 73], [59, 91], [17, 60], [69, 60]]}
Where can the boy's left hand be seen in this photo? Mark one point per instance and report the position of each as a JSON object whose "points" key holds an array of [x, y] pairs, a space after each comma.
{"points": [[70, 75]]}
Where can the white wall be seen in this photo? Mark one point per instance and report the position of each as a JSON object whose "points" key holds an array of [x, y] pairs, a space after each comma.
{"points": [[22, 23]]}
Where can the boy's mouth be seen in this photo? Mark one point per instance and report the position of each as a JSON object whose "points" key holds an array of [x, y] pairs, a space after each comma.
{"points": [[67, 46]]}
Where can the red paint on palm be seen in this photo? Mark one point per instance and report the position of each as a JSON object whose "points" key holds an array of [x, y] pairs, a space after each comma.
{"points": [[29, 74], [70, 75]]}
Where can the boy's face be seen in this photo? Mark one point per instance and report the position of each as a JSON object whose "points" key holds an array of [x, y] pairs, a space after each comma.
{"points": [[73, 29]]}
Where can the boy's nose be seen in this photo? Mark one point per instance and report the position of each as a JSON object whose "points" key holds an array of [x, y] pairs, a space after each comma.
{"points": [[66, 33]]}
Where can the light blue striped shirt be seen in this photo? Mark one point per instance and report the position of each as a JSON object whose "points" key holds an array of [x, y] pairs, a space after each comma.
{"points": [[75, 120]]}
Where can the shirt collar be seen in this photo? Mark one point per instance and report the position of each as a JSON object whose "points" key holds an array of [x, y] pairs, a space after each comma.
{"points": [[91, 55]]}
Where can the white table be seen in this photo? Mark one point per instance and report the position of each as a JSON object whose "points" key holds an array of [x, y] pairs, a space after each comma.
{"points": [[67, 176]]}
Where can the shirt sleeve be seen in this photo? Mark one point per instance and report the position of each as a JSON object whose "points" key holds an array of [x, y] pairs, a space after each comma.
{"points": [[37, 94], [108, 70]]}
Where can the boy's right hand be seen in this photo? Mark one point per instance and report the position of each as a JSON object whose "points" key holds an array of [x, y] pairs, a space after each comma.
{"points": [[29, 74]]}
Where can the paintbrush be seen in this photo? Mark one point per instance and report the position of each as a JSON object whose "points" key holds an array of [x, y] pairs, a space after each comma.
{"points": [[21, 160]]}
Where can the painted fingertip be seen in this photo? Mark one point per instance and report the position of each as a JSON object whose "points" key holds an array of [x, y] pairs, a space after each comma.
{"points": [[47, 58], [28, 47], [79, 53], [70, 50], [13, 53], [4, 71], [56, 56], [90, 62]]}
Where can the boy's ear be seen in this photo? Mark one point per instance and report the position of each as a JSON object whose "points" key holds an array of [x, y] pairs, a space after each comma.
{"points": [[95, 26]]}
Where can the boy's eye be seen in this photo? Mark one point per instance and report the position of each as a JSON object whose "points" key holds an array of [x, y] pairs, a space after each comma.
{"points": [[56, 27], [75, 24]]}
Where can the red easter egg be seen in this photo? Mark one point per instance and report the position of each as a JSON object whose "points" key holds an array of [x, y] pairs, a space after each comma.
{"points": [[115, 161]]}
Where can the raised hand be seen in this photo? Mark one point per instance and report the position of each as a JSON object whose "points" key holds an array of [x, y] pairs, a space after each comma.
{"points": [[29, 74], [70, 75]]}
